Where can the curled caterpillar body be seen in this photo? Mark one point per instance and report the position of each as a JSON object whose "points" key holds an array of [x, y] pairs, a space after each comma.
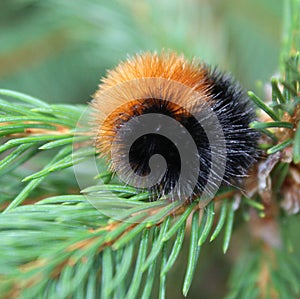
{"points": [[174, 127]]}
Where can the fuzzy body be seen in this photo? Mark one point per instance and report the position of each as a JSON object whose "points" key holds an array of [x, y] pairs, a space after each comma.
{"points": [[223, 96]]}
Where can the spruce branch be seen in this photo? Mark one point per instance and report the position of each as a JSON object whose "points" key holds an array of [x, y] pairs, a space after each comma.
{"points": [[62, 246], [78, 232], [72, 230]]}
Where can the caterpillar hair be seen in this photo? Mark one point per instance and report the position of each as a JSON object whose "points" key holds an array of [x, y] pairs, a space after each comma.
{"points": [[163, 105]]}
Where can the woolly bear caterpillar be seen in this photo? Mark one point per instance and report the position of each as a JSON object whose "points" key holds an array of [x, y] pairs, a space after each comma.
{"points": [[174, 127]]}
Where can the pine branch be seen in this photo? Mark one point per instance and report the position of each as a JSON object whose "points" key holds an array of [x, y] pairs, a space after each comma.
{"points": [[77, 231], [72, 230], [63, 246]]}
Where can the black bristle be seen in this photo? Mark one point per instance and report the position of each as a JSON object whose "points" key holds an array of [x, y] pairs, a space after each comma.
{"points": [[151, 144], [235, 113]]}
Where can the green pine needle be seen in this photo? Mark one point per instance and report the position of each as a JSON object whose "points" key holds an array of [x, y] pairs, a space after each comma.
{"points": [[279, 147], [263, 106], [221, 221], [208, 223], [194, 252], [137, 276], [296, 148], [274, 124], [175, 250], [228, 226]]}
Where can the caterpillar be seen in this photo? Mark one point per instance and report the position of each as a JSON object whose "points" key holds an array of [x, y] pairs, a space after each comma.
{"points": [[175, 127]]}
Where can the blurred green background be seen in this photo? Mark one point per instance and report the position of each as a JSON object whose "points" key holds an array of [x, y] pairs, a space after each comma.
{"points": [[58, 50]]}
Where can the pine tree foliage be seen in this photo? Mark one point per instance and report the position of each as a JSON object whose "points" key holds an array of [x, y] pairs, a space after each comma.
{"points": [[56, 244]]}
